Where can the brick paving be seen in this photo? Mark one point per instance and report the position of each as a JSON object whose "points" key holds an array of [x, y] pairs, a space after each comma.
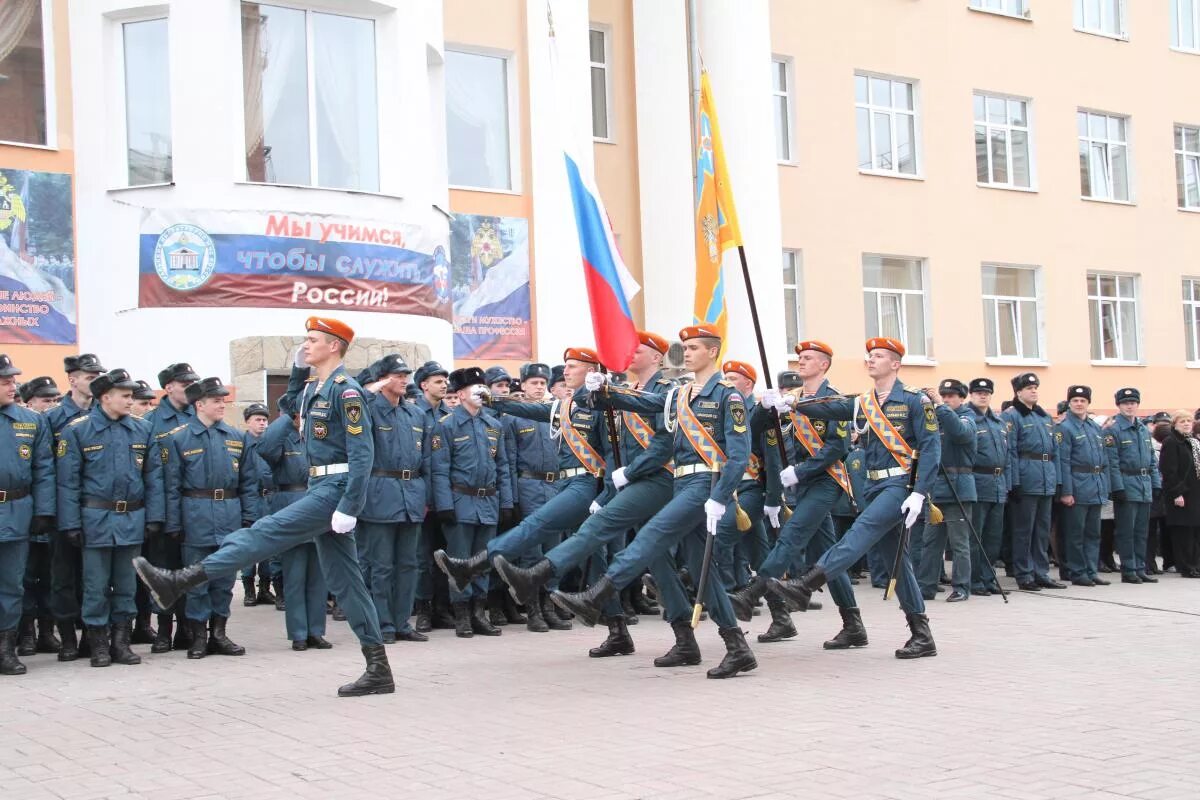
{"points": [[1042, 699]]}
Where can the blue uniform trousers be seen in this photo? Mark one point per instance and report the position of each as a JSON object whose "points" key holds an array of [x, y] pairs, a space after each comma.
{"points": [[306, 520], [304, 591], [463, 540], [750, 551], [1031, 537], [109, 584], [989, 524], [953, 530], [37, 580], [728, 566], [12, 582], [391, 551], [66, 577], [1081, 536], [1132, 528], [878, 524], [210, 598], [563, 512], [810, 527]]}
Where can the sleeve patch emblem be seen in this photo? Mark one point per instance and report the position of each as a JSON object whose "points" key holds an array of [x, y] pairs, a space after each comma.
{"points": [[353, 413], [320, 430], [61, 450]]}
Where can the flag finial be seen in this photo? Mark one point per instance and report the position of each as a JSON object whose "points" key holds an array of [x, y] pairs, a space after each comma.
{"points": [[550, 18]]}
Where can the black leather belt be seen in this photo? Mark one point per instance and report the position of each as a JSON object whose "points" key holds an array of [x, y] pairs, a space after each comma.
{"points": [[402, 474], [1143, 471], [119, 506], [1088, 470], [1037, 456], [7, 495], [995, 472], [473, 491], [211, 494], [292, 487], [548, 477]]}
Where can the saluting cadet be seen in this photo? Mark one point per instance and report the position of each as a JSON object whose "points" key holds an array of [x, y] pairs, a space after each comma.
{"points": [[212, 491], [270, 582], [431, 380], [110, 498], [1136, 481], [27, 505], [338, 440], [1086, 462], [991, 485], [390, 522]]}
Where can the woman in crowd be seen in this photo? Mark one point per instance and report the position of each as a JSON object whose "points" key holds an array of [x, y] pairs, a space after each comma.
{"points": [[1180, 466]]}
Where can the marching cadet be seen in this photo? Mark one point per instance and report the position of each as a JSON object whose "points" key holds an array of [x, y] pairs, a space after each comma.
{"points": [[389, 527], [1135, 482], [27, 509], [212, 491], [304, 591], [66, 561], [270, 582], [110, 498], [40, 395], [1033, 480], [895, 422], [337, 434], [144, 400], [1086, 462], [991, 485], [431, 380], [471, 493], [501, 609]]}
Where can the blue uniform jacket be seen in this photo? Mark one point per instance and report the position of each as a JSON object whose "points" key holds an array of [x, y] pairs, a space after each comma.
{"points": [[403, 437], [108, 460], [1085, 461], [530, 449], [1136, 471], [856, 468], [1031, 450], [26, 464], [468, 451], [641, 462], [958, 454], [282, 449], [835, 440], [211, 457], [64, 413], [764, 454], [991, 453], [262, 473]]}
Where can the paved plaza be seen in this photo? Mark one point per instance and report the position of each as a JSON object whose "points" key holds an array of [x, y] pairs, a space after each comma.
{"points": [[1047, 697]]}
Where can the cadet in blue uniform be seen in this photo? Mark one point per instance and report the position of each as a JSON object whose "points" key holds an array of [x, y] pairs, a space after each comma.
{"points": [[338, 438], [895, 423], [40, 394], [954, 493], [712, 451], [1135, 483], [110, 498], [389, 526], [1086, 460], [28, 507], [270, 582], [1033, 480], [501, 608], [431, 380], [991, 485], [212, 491], [144, 400]]}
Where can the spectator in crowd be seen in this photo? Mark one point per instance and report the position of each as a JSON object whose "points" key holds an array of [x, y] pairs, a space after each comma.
{"points": [[1180, 465]]}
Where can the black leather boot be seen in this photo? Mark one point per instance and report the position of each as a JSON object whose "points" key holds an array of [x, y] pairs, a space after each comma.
{"points": [[198, 643], [47, 642], [462, 621], [162, 639], [799, 591], [218, 643], [685, 652], [265, 596], [618, 643], [183, 632], [338, 614], [920, 644], [70, 644], [460, 571], [738, 655], [97, 636], [643, 604], [550, 616], [248, 592], [631, 617], [495, 607], [512, 612], [26, 637], [378, 676], [744, 600], [781, 621], [119, 648], [277, 585], [534, 621], [424, 621], [168, 585], [85, 643], [143, 633], [479, 619], [524, 584], [586, 605], [852, 634], [9, 663]]}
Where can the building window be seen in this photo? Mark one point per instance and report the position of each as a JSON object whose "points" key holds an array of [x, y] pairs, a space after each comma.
{"points": [[1103, 156], [1185, 25], [1187, 166], [894, 301], [147, 102], [598, 44], [1113, 316], [1002, 141], [886, 115], [310, 100], [781, 98], [1011, 8], [793, 277], [1191, 318], [1105, 17], [477, 120], [1010, 312], [23, 85]]}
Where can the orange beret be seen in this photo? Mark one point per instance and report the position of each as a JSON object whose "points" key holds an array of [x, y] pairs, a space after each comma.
{"points": [[584, 354], [331, 326], [653, 340], [741, 368], [885, 343], [699, 332], [813, 344]]}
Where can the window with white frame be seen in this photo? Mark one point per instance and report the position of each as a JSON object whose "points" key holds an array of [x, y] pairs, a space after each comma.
{"points": [[793, 278], [598, 47], [1113, 317], [781, 100], [1105, 17], [23, 71], [894, 301], [1011, 8], [477, 120], [311, 107], [1185, 24], [1103, 155], [1002, 141], [886, 117], [1010, 312], [1187, 166], [1191, 318], [147, 102]]}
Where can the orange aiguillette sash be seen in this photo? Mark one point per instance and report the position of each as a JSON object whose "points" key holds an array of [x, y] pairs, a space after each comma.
{"points": [[583, 450], [698, 437], [641, 432], [886, 431], [806, 434]]}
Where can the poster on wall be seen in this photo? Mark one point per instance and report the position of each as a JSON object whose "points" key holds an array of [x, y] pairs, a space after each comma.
{"points": [[489, 284], [37, 258], [260, 259]]}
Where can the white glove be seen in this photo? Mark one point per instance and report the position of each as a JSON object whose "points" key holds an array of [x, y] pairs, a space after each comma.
{"points": [[619, 479], [342, 523], [595, 380], [770, 399], [594, 507], [300, 360], [788, 478], [478, 394], [911, 508], [772, 513], [713, 512], [786, 401]]}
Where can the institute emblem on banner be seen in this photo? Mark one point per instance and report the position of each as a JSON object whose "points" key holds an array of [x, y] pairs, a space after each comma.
{"points": [[184, 257]]}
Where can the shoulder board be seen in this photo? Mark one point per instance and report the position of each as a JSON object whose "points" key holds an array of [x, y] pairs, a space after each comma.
{"points": [[340, 379], [665, 382], [310, 379], [833, 389], [726, 383], [176, 429], [77, 420], [445, 417], [913, 389]]}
